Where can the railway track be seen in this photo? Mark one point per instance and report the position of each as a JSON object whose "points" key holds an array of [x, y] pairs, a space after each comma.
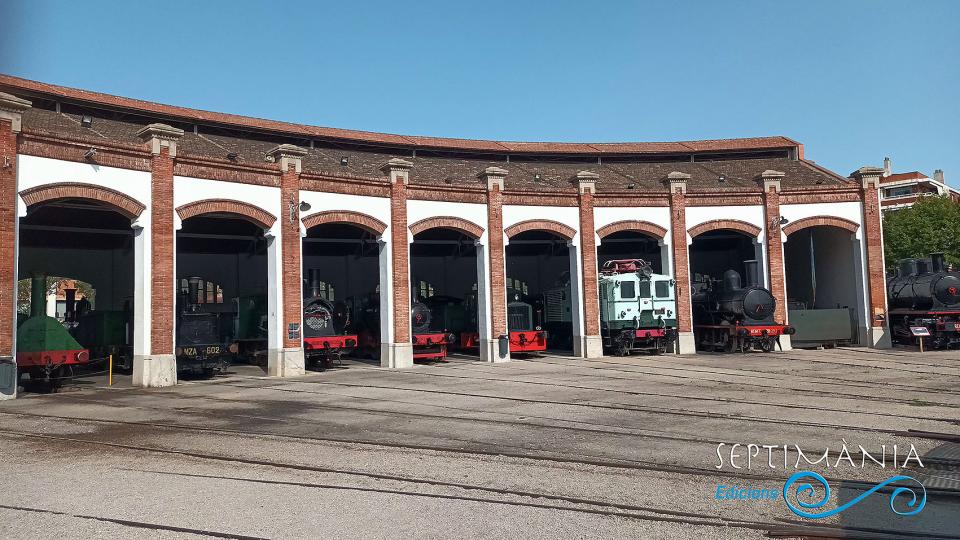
{"points": [[522, 498], [733, 372], [839, 395]]}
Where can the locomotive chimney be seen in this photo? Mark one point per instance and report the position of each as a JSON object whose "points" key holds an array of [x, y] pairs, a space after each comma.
{"points": [[751, 267], [731, 280], [908, 267], [937, 262], [71, 301], [923, 266], [313, 282], [193, 288], [38, 294]]}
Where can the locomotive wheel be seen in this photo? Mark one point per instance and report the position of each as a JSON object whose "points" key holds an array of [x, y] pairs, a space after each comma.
{"points": [[661, 347], [731, 344]]}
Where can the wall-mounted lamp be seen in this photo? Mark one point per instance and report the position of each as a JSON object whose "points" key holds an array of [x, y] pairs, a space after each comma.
{"points": [[722, 178], [779, 221], [232, 156], [303, 207], [86, 121], [90, 155], [344, 161]]}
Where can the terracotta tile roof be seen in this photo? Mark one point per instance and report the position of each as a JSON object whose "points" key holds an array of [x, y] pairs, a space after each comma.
{"points": [[534, 166], [29, 88]]}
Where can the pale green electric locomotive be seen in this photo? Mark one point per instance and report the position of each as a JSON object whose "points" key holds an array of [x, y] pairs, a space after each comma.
{"points": [[638, 308]]}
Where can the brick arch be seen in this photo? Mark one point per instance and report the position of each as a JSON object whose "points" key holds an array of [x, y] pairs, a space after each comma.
{"points": [[126, 205], [818, 221], [247, 211], [448, 222], [725, 224], [636, 225], [565, 231], [365, 222]]}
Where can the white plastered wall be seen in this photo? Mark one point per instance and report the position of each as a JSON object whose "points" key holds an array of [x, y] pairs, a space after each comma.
{"points": [[188, 189], [605, 215], [567, 215], [477, 214], [752, 214], [376, 207], [852, 211], [33, 171]]}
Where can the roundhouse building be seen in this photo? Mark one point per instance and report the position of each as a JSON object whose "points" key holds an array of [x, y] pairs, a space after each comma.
{"points": [[136, 197]]}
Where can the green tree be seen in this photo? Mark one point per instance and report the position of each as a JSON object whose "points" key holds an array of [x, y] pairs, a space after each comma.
{"points": [[931, 225], [84, 289]]}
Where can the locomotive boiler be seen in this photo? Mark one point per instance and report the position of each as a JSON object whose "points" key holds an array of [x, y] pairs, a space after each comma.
{"points": [[200, 345], [45, 349], [924, 293], [638, 308], [728, 317], [325, 334], [430, 341]]}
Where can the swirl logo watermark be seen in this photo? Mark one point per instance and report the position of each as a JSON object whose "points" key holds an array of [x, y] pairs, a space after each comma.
{"points": [[800, 507], [800, 491]]}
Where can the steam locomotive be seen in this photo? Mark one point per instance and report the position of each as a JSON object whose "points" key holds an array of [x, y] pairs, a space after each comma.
{"points": [[728, 317], [327, 326], [430, 339], [201, 345], [45, 349], [925, 293], [638, 309]]}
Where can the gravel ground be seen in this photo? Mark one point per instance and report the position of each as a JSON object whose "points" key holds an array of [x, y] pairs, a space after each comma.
{"points": [[549, 447]]}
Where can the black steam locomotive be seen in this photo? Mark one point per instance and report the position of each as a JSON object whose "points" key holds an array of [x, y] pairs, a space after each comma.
{"points": [[325, 334], [200, 345], [728, 317], [430, 341], [924, 293]]}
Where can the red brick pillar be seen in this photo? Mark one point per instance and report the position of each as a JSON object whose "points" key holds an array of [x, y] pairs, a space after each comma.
{"points": [[677, 181], [878, 333], [159, 368], [496, 267], [771, 212], [592, 345], [11, 110], [399, 352], [289, 361]]}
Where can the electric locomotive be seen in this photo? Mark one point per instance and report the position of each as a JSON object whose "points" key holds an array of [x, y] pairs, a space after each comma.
{"points": [[925, 293], [638, 308], [727, 317]]}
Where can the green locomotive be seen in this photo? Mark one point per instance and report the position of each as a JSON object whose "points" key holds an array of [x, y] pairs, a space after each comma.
{"points": [[638, 308]]}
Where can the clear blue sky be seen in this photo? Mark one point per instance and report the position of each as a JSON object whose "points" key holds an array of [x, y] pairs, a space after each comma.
{"points": [[852, 80]]}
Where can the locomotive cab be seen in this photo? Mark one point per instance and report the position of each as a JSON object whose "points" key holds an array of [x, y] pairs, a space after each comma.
{"points": [[637, 307]]}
